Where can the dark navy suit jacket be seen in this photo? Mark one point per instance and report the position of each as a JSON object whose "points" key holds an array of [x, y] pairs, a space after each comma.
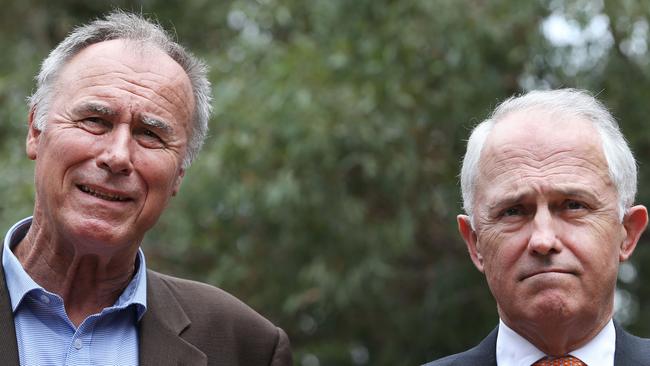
{"points": [[630, 351]]}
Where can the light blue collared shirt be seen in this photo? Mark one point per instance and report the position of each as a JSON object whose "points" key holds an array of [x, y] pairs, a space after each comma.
{"points": [[45, 334]]}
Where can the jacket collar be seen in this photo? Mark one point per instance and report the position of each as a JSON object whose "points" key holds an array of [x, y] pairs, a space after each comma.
{"points": [[160, 328], [630, 350], [8, 342]]}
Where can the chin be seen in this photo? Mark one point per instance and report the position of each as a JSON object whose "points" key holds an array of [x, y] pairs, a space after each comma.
{"points": [[543, 306], [99, 232], [553, 310], [551, 307]]}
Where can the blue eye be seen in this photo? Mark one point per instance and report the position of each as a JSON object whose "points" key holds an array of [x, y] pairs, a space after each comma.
{"points": [[513, 211], [148, 138], [150, 133], [95, 125], [574, 205]]}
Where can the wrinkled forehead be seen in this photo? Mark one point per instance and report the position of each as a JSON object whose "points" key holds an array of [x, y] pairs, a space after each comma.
{"points": [[544, 128], [139, 67], [122, 55], [540, 142]]}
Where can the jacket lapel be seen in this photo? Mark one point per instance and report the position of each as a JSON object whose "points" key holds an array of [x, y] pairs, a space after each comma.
{"points": [[161, 326], [8, 343], [485, 353], [630, 350]]}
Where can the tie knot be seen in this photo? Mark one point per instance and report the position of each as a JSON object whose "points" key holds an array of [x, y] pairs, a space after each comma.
{"points": [[559, 361]]}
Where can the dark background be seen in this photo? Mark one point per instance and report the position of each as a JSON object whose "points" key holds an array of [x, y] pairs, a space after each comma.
{"points": [[326, 194]]}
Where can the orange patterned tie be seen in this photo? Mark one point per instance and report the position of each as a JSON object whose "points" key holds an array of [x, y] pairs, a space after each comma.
{"points": [[560, 361]]}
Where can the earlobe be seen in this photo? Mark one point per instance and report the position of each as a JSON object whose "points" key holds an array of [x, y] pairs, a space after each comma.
{"points": [[471, 240], [634, 223], [178, 181], [33, 136]]}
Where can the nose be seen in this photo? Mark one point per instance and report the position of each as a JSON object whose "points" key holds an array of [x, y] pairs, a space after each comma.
{"points": [[543, 239], [115, 154]]}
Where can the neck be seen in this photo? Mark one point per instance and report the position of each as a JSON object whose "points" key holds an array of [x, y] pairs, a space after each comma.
{"points": [[87, 281], [559, 337]]}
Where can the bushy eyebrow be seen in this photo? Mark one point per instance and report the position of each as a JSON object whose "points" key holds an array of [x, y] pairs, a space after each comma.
{"points": [[95, 108], [156, 123], [103, 110]]}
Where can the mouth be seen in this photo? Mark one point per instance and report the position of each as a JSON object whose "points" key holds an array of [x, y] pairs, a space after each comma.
{"points": [[107, 196], [547, 271]]}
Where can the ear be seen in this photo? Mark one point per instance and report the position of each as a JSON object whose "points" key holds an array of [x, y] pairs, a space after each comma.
{"points": [[634, 222], [471, 240], [178, 181], [33, 136]]}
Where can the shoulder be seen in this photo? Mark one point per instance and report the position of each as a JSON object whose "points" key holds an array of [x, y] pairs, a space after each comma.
{"points": [[469, 357], [218, 324], [204, 302], [626, 338], [630, 349], [484, 354], [449, 360]]}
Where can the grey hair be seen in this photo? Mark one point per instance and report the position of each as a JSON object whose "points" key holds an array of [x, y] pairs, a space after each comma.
{"points": [[121, 25], [566, 102]]}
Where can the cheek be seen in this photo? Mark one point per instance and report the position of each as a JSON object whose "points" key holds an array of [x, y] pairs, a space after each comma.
{"points": [[66, 144], [597, 254], [596, 244], [502, 252], [159, 173], [499, 247], [57, 154]]}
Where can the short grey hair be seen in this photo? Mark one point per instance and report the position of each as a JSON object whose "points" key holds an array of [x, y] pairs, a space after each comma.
{"points": [[566, 102], [127, 26]]}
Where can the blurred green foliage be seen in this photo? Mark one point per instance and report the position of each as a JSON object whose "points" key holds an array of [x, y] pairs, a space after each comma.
{"points": [[326, 194]]}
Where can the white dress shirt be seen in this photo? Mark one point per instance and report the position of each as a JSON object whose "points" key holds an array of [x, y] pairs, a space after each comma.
{"points": [[515, 350]]}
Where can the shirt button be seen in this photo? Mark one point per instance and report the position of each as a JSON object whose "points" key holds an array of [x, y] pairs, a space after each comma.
{"points": [[78, 343], [45, 299]]}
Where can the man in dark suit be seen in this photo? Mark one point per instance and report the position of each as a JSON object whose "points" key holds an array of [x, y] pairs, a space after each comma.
{"points": [[119, 113], [548, 185]]}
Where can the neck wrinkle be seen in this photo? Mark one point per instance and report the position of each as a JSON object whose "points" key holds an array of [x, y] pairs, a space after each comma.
{"points": [[87, 282]]}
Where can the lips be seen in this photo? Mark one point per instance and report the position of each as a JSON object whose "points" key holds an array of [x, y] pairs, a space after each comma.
{"points": [[545, 271], [101, 194]]}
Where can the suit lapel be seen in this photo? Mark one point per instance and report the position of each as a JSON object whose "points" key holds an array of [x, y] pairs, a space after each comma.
{"points": [[486, 352], [630, 350], [8, 343], [483, 354], [161, 326]]}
